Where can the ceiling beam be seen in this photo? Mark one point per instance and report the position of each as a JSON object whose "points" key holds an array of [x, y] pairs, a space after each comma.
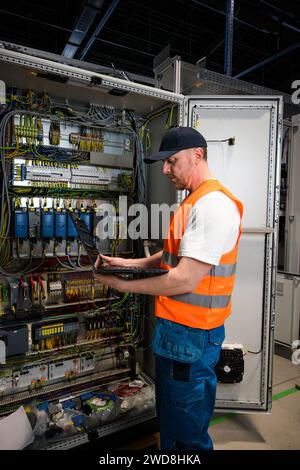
{"points": [[222, 12], [229, 37], [99, 28], [80, 30], [268, 60]]}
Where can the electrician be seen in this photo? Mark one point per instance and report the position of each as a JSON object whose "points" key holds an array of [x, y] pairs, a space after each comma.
{"points": [[193, 299]]}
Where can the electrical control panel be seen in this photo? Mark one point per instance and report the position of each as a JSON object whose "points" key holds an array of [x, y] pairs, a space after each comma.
{"points": [[39, 173], [42, 227], [69, 148]]}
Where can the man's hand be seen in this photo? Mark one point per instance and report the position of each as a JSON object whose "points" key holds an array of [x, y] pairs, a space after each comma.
{"points": [[149, 262], [110, 261], [180, 280], [115, 282]]}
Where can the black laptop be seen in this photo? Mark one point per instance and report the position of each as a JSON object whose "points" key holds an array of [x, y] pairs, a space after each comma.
{"points": [[92, 252]]}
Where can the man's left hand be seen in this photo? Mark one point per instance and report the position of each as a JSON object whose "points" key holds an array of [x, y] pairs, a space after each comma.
{"points": [[112, 281]]}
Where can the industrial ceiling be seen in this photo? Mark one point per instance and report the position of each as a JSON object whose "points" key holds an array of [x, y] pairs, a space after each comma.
{"points": [[128, 34]]}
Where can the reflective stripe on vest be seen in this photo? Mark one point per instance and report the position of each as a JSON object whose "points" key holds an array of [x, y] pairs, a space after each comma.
{"points": [[205, 301], [224, 270]]}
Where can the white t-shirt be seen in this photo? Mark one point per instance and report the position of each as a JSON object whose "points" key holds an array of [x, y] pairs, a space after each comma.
{"points": [[212, 229]]}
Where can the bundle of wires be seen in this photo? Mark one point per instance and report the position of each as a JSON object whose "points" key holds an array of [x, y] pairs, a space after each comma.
{"points": [[30, 101], [101, 114], [95, 115], [140, 175], [6, 212]]}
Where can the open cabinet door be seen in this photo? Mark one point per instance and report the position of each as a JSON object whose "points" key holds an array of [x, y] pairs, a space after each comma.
{"points": [[244, 140]]}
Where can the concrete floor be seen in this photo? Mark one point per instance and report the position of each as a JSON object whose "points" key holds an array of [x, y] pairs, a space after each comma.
{"points": [[279, 430]]}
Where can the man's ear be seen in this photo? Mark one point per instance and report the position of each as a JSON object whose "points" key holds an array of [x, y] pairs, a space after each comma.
{"points": [[199, 154]]}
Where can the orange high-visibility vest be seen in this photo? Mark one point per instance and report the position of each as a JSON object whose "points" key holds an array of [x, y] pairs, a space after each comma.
{"points": [[209, 304]]}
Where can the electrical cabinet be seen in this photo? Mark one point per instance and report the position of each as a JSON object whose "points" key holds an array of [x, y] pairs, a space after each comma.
{"points": [[291, 205], [74, 140], [287, 324]]}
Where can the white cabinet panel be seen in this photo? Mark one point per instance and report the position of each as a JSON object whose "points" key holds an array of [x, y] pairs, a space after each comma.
{"points": [[244, 140]]}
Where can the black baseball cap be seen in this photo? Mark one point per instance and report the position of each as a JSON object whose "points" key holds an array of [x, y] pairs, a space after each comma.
{"points": [[176, 139]]}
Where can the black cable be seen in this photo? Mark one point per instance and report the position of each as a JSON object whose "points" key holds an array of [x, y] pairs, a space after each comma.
{"points": [[230, 139], [254, 352]]}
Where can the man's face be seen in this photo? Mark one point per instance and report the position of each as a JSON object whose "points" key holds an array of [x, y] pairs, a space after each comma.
{"points": [[180, 168]]}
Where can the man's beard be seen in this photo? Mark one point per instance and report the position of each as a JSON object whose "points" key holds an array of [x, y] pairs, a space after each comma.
{"points": [[179, 185]]}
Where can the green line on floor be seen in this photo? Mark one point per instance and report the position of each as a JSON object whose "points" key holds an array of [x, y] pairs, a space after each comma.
{"points": [[283, 394], [222, 418]]}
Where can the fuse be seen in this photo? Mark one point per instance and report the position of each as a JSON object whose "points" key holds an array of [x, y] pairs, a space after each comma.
{"points": [[34, 217], [72, 231], [47, 224], [21, 224], [61, 224], [87, 218]]}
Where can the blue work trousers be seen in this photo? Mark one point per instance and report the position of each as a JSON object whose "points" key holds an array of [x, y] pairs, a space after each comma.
{"points": [[185, 383]]}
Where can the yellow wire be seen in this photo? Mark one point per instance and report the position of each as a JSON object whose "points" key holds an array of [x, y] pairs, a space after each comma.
{"points": [[168, 124]]}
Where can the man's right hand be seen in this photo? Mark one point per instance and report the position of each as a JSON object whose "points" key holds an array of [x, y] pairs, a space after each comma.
{"points": [[111, 261], [151, 262]]}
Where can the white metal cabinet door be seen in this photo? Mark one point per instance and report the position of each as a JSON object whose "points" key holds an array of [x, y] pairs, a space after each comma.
{"points": [[284, 309], [287, 324], [250, 170], [292, 262]]}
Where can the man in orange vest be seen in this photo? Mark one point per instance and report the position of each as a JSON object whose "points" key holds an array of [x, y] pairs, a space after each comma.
{"points": [[194, 298]]}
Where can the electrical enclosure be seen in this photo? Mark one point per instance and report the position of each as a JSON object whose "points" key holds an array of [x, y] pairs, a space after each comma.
{"points": [[74, 140]]}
